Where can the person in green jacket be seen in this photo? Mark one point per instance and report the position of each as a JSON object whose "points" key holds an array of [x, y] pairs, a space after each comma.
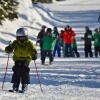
{"points": [[23, 52], [96, 38], [48, 47]]}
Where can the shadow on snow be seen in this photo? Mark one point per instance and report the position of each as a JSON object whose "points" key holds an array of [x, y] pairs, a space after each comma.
{"points": [[77, 77]]}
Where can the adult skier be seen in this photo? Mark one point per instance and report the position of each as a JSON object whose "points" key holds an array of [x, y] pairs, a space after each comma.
{"points": [[88, 42], [40, 38], [68, 33], [74, 47], [23, 52], [96, 38], [57, 47], [47, 50]]}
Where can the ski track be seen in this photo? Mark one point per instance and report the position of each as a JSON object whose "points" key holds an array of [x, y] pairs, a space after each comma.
{"points": [[81, 74]]}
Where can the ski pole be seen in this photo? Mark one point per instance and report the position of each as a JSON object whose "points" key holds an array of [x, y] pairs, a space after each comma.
{"points": [[38, 77], [6, 70]]}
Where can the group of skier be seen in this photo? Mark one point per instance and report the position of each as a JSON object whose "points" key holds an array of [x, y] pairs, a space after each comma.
{"points": [[50, 41], [65, 41]]}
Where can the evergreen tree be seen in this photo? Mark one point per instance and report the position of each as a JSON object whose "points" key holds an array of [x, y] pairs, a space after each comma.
{"points": [[8, 10]]}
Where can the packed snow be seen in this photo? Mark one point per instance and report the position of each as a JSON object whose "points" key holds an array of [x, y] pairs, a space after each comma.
{"points": [[66, 78]]}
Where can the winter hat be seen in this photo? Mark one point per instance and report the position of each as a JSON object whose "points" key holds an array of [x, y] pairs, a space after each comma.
{"points": [[21, 32], [43, 26], [49, 30]]}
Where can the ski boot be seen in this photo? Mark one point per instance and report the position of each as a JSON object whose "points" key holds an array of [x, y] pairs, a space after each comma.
{"points": [[24, 88], [15, 88]]}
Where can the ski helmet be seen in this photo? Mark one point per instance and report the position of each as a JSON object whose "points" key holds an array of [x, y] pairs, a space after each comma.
{"points": [[21, 32]]}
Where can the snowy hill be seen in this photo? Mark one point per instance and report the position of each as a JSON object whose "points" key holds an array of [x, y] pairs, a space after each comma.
{"points": [[72, 78]]}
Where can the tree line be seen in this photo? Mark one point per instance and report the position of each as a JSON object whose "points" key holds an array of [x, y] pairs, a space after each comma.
{"points": [[8, 10]]}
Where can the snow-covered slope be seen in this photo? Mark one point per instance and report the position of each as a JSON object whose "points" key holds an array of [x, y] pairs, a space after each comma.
{"points": [[73, 78], [76, 5], [60, 81]]}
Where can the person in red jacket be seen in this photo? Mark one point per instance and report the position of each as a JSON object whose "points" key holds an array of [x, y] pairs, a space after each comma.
{"points": [[68, 33]]}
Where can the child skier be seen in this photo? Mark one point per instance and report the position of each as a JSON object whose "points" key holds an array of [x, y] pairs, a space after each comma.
{"points": [[23, 52]]}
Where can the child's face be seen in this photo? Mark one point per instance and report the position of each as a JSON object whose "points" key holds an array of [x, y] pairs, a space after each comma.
{"points": [[21, 38]]}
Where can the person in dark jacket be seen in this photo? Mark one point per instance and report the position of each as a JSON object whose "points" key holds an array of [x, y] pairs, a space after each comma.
{"points": [[88, 42], [40, 38], [23, 52], [55, 32]]}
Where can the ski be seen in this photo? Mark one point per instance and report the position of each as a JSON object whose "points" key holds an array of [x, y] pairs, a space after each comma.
{"points": [[12, 91], [20, 91], [46, 64]]}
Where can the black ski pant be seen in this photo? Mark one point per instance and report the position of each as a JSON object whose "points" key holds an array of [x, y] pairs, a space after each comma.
{"points": [[47, 53], [75, 52], [88, 51], [21, 72], [97, 51], [68, 51]]}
